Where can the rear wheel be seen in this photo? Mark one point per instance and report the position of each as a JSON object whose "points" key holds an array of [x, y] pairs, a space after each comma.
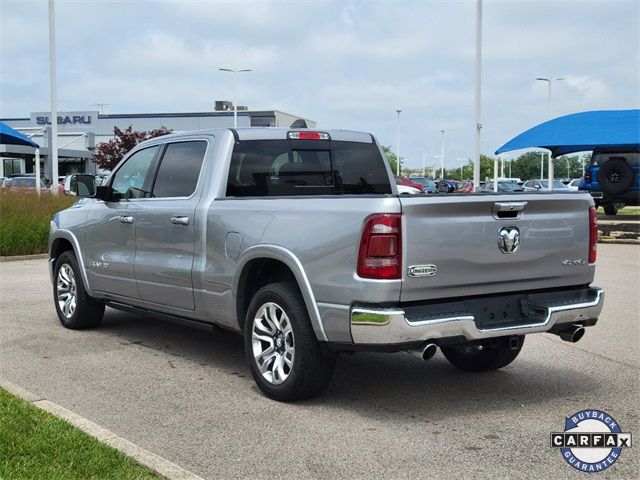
{"points": [[284, 356], [75, 308], [610, 209], [483, 357]]}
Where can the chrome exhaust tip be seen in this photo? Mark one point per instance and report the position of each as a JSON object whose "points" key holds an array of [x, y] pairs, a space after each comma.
{"points": [[425, 351], [572, 334]]}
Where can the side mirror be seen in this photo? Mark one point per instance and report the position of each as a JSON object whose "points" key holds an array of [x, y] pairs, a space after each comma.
{"points": [[80, 185]]}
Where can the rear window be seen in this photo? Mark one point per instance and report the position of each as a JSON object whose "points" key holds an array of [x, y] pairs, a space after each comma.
{"points": [[179, 169], [262, 168]]}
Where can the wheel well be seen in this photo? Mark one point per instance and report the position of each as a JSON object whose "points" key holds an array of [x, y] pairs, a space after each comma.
{"points": [[255, 275], [59, 246]]}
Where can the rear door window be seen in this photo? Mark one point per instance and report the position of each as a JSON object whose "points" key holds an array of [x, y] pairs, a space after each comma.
{"points": [[302, 167], [179, 169]]}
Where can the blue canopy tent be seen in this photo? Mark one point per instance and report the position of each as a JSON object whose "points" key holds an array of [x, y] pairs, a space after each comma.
{"points": [[581, 132], [9, 136]]}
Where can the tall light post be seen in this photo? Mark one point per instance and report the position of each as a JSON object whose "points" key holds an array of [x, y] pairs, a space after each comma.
{"points": [[235, 91], [542, 166], [550, 96], [53, 148], [478, 93], [442, 155], [424, 172], [398, 142]]}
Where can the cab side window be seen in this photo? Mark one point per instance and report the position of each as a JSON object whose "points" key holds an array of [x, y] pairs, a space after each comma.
{"points": [[129, 180], [179, 169]]}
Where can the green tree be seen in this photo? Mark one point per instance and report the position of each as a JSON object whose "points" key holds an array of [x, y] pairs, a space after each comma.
{"points": [[108, 154], [392, 159]]}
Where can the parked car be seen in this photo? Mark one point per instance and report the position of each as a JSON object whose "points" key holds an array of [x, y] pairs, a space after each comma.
{"points": [[308, 249], [6, 182], [400, 180], [465, 187], [447, 186], [404, 190], [24, 182], [428, 184], [613, 179], [2, 179], [503, 186], [574, 184], [533, 185]]}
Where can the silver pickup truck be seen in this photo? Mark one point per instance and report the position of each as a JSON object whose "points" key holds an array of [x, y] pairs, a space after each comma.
{"points": [[299, 240]]}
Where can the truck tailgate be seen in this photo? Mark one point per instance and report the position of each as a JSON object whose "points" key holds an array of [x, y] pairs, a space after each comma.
{"points": [[451, 243]]}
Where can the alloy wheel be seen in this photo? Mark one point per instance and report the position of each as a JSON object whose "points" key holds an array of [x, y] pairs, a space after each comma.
{"points": [[273, 343]]}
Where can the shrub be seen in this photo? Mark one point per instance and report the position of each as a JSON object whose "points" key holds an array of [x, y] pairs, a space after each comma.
{"points": [[24, 220]]}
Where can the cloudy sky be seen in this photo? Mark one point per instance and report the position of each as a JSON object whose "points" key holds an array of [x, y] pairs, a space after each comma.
{"points": [[345, 64]]}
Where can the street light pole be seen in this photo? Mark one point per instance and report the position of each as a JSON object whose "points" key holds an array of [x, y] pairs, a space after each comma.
{"points": [[53, 148], [550, 95], [235, 91], [442, 155], [398, 142], [424, 174], [478, 92]]}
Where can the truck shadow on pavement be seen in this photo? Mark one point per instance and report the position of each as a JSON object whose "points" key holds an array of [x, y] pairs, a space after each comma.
{"points": [[394, 387]]}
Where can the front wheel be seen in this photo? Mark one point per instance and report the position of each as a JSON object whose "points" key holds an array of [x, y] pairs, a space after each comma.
{"points": [[483, 357], [75, 308], [284, 356]]}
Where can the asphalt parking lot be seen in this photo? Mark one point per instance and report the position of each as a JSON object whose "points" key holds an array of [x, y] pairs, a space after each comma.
{"points": [[187, 395]]}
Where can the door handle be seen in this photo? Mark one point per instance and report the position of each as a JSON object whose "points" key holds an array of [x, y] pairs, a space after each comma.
{"points": [[125, 219], [180, 220]]}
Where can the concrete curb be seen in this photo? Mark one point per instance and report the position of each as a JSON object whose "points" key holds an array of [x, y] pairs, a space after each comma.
{"points": [[627, 241], [16, 258], [154, 462]]}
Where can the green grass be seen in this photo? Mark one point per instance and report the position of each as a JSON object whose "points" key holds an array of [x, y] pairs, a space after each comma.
{"points": [[24, 220], [37, 445], [624, 211]]}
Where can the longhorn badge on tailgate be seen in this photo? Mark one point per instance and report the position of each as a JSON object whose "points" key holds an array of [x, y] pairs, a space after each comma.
{"points": [[422, 270], [508, 239]]}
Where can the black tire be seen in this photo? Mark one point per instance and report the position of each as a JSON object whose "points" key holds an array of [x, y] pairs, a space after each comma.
{"points": [[88, 312], [311, 369], [610, 209], [615, 176], [476, 358]]}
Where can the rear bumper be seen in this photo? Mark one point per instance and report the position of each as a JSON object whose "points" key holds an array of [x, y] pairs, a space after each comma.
{"points": [[372, 326]]}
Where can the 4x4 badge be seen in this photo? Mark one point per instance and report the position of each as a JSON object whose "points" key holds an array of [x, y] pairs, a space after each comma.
{"points": [[508, 239]]}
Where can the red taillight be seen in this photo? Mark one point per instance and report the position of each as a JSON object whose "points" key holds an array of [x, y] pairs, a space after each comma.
{"points": [[380, 254], [593, 234]]}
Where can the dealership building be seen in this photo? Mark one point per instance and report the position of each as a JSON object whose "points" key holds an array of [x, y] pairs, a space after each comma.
{"points": [[80, 131]]}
